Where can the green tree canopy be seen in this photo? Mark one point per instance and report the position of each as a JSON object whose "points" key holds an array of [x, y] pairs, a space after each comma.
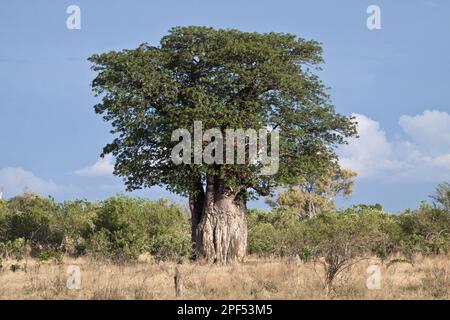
{"points": [[226, 79]]}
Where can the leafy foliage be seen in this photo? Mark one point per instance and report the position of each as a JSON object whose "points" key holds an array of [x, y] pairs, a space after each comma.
{"points": [[227, 79], [314, 194], [121, 228], [14, 249], [442, 196], [426, 230], [337, 240], [126, 227], [34, 219]]}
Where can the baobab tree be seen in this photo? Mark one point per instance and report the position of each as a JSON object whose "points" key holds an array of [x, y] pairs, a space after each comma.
{"points": [[227, 79]]}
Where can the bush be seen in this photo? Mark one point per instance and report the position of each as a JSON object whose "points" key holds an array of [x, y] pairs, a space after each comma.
{"points": [[335, 240], [77, 221], [34, 219], [120, 230], [339, 240], [262, 239], [385, 225], [100, 246], [127, 227], [170, 247], [16, 249], [426, 230], [274, 232], [168, 229]]}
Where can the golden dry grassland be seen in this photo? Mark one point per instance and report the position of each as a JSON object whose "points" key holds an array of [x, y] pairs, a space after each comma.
{"points": [[426, 278]]}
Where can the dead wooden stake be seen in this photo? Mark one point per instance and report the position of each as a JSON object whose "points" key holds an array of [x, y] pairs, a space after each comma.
{"points": [[178, 279]]}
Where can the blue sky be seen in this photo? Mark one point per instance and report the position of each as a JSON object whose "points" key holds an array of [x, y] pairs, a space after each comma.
{"points": [[395, 80]]}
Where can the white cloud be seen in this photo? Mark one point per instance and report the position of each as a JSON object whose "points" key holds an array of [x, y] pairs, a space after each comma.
{"points": [[16, 180], [103, 167], [367, 153], [430, 131], [425, 155]]}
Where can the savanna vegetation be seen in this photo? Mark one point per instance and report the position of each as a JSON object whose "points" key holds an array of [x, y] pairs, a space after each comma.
{"points": [[122, 230]]}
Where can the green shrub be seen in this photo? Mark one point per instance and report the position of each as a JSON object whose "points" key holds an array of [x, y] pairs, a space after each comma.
{"points": [[170, 246], [337, 241], [384, 225], [100, 246], [16, 249], [127, 227], [273, 232], [426, 230], [168, 230], [34, 219], [262, 239], [77, 221], [120, 228]]}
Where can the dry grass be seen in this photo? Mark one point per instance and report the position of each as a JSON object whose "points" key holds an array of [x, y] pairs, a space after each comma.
{"points": [[428, 278]]}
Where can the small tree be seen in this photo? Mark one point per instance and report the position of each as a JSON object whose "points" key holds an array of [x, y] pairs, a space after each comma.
{"points": [[338, 241], [442, 196], [314, 194]]}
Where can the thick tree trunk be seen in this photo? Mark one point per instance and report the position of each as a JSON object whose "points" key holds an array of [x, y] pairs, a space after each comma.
{"points": [[196, 204], [221, 235]]}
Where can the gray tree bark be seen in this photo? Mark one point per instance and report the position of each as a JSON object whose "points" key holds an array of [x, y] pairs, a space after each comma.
{"points": [[221, 235], [196, 203]]}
